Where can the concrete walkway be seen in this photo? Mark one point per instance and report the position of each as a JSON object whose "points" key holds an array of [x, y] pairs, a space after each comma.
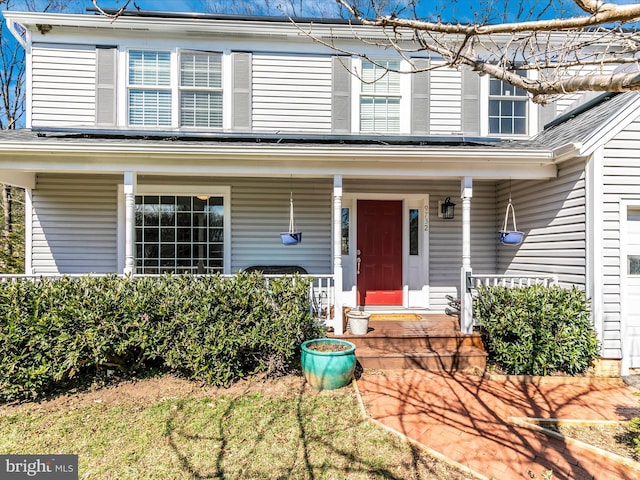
{"points": [[469, 420]]}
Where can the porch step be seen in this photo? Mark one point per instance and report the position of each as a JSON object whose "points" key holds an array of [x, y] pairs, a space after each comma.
{"points": [[432, 343], [440, 360]]}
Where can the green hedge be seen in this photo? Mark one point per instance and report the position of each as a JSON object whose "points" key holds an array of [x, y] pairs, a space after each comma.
{"points": [[210, 328], [537, 330]]}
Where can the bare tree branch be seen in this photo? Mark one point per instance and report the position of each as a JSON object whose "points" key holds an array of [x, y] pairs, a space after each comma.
{"points": [[572, 54]]}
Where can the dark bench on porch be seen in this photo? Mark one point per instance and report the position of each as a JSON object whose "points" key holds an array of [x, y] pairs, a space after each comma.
{"points": [[276, 269]]}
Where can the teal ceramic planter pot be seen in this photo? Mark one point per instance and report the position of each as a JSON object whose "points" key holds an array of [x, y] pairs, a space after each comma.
{"points": [[325, 369]]}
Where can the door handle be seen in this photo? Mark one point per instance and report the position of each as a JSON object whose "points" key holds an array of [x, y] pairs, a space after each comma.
{"points": [[358, 262]]}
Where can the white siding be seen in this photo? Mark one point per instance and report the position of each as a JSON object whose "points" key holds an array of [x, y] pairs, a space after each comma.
{"points": [[64, 86], [445, 236], [552, 214], [291, 93], [260, 211], [621, 181], [446, 101], [74, 224]]}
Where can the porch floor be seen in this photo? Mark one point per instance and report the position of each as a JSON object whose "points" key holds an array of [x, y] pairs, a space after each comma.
{"points": [[427, 341]]}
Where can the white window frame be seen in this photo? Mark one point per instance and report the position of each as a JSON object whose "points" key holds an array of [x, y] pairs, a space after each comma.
{"points": [[519, 98], [404, 95], [174, 87], [160, 88], [179, 190], [182, 89]]}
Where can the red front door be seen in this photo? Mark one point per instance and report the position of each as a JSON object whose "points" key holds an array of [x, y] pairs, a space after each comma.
{"points": [[380, 252]]}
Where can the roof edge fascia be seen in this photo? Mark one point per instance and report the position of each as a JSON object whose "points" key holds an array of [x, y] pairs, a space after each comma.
{"points": [[618, 122], [251, 27], [335, 152]]}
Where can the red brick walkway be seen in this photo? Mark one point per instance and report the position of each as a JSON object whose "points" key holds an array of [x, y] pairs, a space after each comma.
{"points": [[466, 418]]}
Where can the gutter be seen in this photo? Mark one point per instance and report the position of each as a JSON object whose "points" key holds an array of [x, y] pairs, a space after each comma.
{"points": [[568, 151], [222, 16]]}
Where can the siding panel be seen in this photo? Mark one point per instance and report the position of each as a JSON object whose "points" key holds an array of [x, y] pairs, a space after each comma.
{"points": [[64, 86], [552, 214], [283, 86], [74, 224]]}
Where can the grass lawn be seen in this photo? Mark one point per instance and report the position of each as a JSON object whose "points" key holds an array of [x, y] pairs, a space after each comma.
{"points": [[167, 428]]}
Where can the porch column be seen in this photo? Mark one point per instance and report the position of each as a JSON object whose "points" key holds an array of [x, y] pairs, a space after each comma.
{"points": [[130, 179], [466, 302], [337, 254], [28, 231]]}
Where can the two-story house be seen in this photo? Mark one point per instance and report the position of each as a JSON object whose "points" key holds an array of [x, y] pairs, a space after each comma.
{"points": [[178, 143]]}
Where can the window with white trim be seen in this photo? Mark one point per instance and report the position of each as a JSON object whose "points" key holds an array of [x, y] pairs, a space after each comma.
{"points": [[152, 90], [200, 89], [149, 84], [380, 97], [508, 108], [179, 234]]}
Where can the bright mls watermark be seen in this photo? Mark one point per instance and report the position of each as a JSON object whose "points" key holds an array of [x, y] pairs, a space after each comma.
{"points": [[50, 467]]}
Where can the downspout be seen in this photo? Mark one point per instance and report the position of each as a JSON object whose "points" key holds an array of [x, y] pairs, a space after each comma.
{"points": [[11, 26], [594, 244]]}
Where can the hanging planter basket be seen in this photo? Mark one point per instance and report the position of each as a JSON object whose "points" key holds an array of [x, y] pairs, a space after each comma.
{"points": [[291, 237], [510, 237]]}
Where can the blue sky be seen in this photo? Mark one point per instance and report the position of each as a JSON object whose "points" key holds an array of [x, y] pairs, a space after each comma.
{"points": [[448, 10]]}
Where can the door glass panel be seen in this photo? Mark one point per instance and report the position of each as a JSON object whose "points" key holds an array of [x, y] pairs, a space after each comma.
{"points": [[413, 232], [633, 262], [345, 231]]}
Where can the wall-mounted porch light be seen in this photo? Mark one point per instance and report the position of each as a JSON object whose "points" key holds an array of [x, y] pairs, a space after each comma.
{"points": [[446, 209]]}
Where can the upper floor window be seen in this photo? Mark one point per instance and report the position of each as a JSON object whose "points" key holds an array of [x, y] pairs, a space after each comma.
{"points": [[200, 89], [149, 88], [507, 108], [380, 97]]}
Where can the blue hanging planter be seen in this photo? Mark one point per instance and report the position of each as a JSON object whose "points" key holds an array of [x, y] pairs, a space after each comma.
{"points": [[291, 237], [510, 237]]}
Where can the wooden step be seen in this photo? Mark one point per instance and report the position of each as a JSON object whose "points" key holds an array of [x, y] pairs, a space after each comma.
{"points": [[441, 360], [431, 342], [413, 336], [452, 341]]}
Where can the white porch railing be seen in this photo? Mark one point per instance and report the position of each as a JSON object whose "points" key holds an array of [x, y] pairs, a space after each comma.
{"points": [[513, 281]]}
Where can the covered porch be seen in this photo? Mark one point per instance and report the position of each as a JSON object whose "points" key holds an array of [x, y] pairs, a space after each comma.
{"points": [[87, 201]]}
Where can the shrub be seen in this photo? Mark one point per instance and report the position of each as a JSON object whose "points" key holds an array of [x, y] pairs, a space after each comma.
{"points": [[537, 330], [211, 328], [634, 431]]}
